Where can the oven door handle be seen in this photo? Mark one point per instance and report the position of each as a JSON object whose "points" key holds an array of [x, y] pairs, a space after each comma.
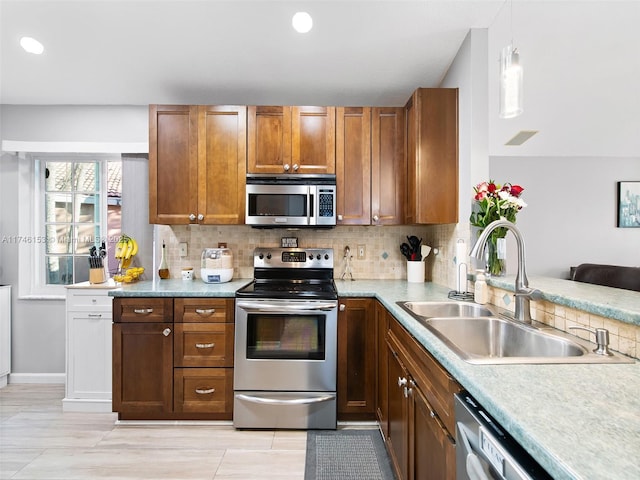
{"points": [[292, 401], [272, 307]]}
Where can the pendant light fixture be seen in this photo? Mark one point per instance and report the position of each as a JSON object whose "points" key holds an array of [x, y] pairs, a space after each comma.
{"points": [[511, 76]]}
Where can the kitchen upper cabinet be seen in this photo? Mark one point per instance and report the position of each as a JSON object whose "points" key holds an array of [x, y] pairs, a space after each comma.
{"points": [[222, 164], [283, 139], [197, 164], [388, 166], [353, 165], [432, 156], [370, 165], [173, 163], [356, 359]]}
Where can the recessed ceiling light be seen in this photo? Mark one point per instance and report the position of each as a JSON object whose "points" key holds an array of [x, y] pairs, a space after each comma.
{"points": [[31, 45], [302, 22]]}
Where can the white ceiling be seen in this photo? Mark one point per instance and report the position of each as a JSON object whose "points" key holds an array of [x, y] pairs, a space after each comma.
{"points": [[581, 60]]}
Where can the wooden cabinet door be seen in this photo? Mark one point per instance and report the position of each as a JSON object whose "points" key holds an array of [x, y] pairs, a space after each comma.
{"points": [[269, 139], [432, 156], [222, 163], [356, 359], [388, 166], [432, 453], [398, 438], [382, 386], [173, 164], [353, 165], [313, 140], [142, 369]]}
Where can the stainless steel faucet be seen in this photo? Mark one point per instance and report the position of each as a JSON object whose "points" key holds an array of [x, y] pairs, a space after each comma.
{"points": [[523, 294]]}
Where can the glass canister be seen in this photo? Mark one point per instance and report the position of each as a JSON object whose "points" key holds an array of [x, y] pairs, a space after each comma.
{"points": [[216, 265]]}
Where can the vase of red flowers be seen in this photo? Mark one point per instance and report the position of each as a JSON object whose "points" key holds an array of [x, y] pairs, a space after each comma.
{"points": [[493, 202]]}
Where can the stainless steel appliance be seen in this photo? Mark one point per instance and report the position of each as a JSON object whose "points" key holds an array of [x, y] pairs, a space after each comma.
{"points": [[298, 200], [484, 450], [286, 342]]}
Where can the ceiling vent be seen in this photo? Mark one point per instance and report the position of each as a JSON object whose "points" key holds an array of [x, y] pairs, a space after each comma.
{"points": [[521, 137]]}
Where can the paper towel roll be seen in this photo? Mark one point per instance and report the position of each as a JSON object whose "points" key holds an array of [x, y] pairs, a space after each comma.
{"points": [[461, 252]]}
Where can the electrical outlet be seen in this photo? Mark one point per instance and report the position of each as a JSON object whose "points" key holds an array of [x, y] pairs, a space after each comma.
{"points": [[361, 252], [182, 247]]}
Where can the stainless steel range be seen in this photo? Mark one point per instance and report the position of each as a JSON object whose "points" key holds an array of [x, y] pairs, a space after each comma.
{"points": [[286, 341]]}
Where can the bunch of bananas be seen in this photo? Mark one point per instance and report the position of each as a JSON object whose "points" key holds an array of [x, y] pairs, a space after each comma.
{"points": [[126, 248], [130, 275]]}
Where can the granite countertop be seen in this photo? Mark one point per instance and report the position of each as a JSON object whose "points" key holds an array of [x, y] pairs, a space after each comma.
{"points": [[577, 421], [179, 288]]}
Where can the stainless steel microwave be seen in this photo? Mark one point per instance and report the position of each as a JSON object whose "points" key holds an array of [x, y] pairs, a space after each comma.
{"points": [[291, 200]]}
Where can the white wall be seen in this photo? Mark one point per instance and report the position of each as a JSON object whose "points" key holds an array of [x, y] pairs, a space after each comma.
{"points": [[38, 337], [572, 211]]}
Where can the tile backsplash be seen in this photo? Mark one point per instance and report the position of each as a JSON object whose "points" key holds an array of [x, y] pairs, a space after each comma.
{"points": [[383, 259]]}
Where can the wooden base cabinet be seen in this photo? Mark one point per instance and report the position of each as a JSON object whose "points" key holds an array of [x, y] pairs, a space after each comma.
{"points": [[173, 358], [420, 442], [356, 359]]}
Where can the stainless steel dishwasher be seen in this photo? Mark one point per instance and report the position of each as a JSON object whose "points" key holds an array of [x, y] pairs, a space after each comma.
{"points": [[485, 451]]}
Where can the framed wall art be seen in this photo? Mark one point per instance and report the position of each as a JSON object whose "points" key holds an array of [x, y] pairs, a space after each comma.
{"points": [[629, 204]]}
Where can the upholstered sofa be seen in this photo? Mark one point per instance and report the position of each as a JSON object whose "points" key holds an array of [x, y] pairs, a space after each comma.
{"points": [[627, 278]]}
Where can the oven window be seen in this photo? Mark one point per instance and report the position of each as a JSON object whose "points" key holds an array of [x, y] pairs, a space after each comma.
{"points": [[291, 337], [277, 205]]}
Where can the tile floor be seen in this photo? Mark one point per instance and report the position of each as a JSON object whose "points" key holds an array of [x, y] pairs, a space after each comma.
{"points": [[39, 441]]}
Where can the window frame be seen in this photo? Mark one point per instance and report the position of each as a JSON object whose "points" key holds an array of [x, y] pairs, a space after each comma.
{"points": [[31, 205]]}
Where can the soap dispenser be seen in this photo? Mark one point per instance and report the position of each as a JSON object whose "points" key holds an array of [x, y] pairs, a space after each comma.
{"points": [[480, 288]]}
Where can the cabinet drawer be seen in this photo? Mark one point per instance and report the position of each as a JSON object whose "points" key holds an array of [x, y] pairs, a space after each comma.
{"points": [[204, 390], [203, 310], [203, 344], [88, 300], [140, 310]]}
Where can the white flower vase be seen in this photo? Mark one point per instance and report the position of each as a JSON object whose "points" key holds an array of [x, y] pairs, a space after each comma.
{"points": [[415, 271]]}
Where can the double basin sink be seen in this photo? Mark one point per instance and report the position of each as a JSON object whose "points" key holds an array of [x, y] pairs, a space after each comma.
{"points": [[479, 334]]}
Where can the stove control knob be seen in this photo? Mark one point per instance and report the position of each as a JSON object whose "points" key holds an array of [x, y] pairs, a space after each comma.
{"points": [[261, 256], [326, 256], [268, 256], [310, 257], [318, 257]]}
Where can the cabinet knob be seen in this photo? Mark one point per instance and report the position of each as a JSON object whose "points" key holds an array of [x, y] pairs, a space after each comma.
{"points": [[402, 381], [340, 217], [295, 167], [200, 217], [286, 167], [166, 332], [192, 217], [343, 307], [376, 218]]}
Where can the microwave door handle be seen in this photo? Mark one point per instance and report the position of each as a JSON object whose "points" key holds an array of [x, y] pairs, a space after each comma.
{"points": [[309, 205]]}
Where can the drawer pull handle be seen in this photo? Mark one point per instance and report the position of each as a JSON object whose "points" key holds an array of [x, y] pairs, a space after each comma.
{"points": [[205, 391], [205, 345], [143, 311], [205, 311], [94, 315]]}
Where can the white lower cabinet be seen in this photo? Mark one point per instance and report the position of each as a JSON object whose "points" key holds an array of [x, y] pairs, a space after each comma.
{"points": [[5, 334], [88, 355]]}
